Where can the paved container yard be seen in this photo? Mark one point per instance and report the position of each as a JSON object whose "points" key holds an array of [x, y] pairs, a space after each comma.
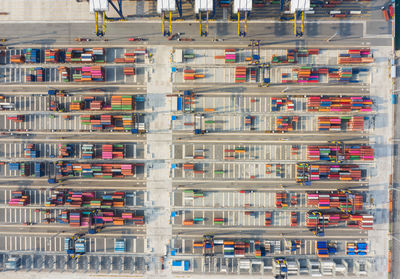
{"points": [[135, 154]]}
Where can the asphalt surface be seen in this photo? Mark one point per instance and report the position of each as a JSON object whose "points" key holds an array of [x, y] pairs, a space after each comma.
{"points": [[287, 138], [349, 33], [266, 232]]}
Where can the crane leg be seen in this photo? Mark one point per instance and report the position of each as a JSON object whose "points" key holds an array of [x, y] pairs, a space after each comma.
{"points": [[238, 23], [170, 23], [200, 27], [207, 25], [302, 22], [104, 24], [295, 23], [97, 23], [245, 24], [163, 23]]}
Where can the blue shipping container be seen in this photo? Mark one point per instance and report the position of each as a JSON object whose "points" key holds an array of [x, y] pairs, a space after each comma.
{"points": [[179, 103], [187, 265], [176, 263]]}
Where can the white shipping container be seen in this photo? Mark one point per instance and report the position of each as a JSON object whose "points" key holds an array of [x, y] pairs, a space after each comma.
{"points": [[178, 56]]}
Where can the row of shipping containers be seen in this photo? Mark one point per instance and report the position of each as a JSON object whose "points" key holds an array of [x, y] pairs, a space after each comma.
{"points": [[329, 219], [116, 123], [69, 169], [308, 74], [19, 198], [316, 172], [27, 168], [333, 152], [340, 199], [324, 249], [72, 55], [339, 104], [86, 218], [356, 56], [116, 103], [85, 199], [341, 123], [281, 103]]}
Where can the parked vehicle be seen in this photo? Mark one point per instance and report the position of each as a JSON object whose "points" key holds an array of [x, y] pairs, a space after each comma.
{"points": [[185, 39], [136, 39], [82, 39]]}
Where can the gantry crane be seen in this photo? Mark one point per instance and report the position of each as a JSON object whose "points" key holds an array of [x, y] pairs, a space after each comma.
{"points": [[303, 177], [100, 33], [208, 243], [203, 32], [203, 8], [93, 229], [99, 8], [70, 244], [297, 8], [283, 270], [265, 70], [319, 229], [255, 52], [349, 197], [163, 18], [297, 32], [242, 9], [165, 9], [340, 151]]}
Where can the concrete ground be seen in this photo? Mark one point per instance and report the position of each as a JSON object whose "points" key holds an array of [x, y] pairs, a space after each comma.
{"points": [[375, 34]]}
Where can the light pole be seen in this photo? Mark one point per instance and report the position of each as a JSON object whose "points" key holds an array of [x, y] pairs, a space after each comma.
{"points": [[331, 37]]}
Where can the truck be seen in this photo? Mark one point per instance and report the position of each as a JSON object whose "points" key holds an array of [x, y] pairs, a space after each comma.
{"points": [[185, 39], [82, 39], [136, 39], [172, 37], [385, 14]]}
